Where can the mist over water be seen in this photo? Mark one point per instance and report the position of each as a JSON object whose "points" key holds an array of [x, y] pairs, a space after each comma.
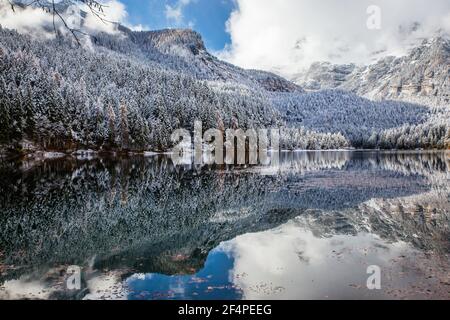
{"points": [[308, 227]]}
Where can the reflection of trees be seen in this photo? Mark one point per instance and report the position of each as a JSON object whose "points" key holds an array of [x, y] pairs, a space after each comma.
{"points": [[409, 163], [422, 221], [141, 213]]}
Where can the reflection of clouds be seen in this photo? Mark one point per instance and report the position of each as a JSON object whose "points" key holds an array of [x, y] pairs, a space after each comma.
{"points": [[178, 289], [34, 286], [140, 276], [102, 286], [22, 289], [377, 192], [107, 286], [290, 262]]}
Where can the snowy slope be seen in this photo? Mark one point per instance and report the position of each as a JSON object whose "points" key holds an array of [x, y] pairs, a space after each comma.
{"points": [[133, 89], [183, 50]]}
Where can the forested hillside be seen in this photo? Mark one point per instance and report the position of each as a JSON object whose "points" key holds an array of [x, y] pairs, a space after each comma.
{"points": [[131, 91], [365, 123], [61, 96]]}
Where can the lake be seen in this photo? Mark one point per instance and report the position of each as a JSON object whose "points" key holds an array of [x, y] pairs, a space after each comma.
{"points": [[311, 227]]}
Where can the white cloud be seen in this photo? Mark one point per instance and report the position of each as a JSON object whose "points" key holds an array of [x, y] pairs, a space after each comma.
{"points": [[285, 36], [137, 27], [174, 12], [26, 21], [36, 21], [114, 11]]}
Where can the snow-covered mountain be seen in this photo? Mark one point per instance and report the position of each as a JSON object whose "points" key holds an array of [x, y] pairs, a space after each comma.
{"points": [[184, 50], [422, 76], [178, 49], [130, 90]]}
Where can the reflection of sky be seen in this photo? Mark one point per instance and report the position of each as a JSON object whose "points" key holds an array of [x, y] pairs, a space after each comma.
{"points": [[312, 256], [288, 262], [298, 260], [212, 282]]}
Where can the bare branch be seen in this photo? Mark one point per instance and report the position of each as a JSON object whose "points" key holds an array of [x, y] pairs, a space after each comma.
{"points": [[12, 5], [96, 8]]}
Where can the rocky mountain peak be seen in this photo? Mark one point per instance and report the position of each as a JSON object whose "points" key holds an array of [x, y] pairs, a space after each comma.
{"points": [[168, 39], [422, 76]]}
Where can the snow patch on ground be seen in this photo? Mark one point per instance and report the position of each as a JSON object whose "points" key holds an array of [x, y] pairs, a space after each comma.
{"points": [[41, 155], [150, 154], [53, 155], [231, 216], [85, 154]]}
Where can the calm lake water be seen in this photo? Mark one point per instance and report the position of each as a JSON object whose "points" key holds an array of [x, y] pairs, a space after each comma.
{"points": [[140, 228]]}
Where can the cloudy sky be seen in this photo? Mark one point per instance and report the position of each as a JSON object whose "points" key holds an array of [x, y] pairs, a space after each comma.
{"points": [[287, 35]]}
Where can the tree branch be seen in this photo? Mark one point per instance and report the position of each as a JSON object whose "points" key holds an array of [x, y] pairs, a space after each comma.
{"points": [[95, 8]]}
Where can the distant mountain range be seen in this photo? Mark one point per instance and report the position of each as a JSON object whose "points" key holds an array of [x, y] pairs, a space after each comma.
{"points": [[422, 76]]}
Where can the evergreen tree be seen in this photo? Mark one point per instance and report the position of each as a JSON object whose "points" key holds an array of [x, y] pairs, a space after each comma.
{"points": [[111, 127], [124, 128]]}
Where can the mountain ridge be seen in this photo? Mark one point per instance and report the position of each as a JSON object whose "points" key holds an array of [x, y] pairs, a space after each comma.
{"points": [[131, 90], [422, 76], [188, 45]]}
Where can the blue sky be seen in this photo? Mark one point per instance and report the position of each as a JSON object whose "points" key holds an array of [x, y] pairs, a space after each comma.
{"points": [[208, 17]]}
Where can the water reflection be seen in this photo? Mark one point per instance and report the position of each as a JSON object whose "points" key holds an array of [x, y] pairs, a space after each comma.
{"points": [[211, 282], [306, 228]]}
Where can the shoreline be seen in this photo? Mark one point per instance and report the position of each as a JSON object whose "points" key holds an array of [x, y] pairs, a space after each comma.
{"points": [[90, 154]]}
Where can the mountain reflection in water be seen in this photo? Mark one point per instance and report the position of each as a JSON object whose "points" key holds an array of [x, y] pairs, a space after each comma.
{"points": [[307, 228]]}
